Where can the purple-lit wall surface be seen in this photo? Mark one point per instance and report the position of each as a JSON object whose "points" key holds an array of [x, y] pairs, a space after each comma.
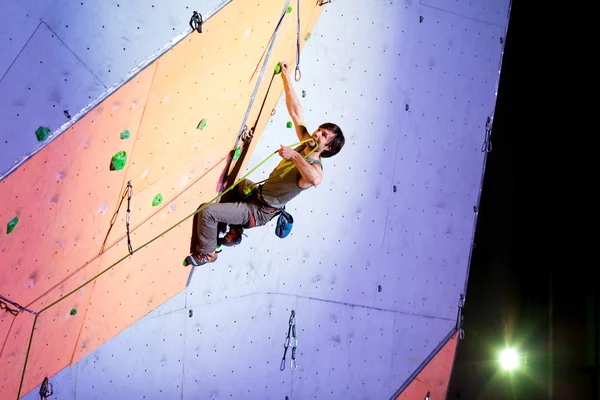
{"points": [[379, 253]]}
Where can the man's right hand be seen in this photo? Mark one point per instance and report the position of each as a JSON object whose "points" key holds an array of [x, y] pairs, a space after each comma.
{"points": [[285, 69]]}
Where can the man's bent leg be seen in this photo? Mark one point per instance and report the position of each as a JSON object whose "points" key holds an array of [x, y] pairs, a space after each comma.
{"points": [[209, 218]]}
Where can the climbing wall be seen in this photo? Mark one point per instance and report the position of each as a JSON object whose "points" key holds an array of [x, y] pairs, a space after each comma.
{"points": [[379, 253], [66, 256]]}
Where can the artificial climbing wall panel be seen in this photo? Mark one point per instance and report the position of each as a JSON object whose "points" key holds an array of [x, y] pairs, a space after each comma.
{"points": [[434, 378], [90, 210], [80, 49]]}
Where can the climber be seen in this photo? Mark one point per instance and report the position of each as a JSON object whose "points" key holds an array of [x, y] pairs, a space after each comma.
{"points": [[268, 199]]}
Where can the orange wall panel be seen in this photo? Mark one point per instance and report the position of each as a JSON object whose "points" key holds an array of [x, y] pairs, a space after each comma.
{"points": [[435, 377], [64, 197], [13, 355]]}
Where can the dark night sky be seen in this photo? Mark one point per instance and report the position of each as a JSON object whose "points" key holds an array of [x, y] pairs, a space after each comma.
{"points": [[519, 291]]}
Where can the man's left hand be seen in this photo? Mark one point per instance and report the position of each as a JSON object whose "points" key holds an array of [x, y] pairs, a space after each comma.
{"points": [[286, 152]]}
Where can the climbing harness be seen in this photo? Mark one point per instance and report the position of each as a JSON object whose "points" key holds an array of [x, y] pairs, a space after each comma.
{"points": [[128, 192], [297, 73], [44, 391], [196, 22], [487, 143], [4, 302], [294, 341]]}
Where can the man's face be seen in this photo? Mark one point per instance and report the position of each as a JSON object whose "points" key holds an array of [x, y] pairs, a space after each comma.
{"points": [[322, 137]]}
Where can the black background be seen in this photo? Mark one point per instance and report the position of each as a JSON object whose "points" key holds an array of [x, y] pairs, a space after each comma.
{"points": [[526, 287]]}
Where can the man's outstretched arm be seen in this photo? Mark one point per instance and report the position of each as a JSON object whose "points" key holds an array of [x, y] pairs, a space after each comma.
{"points": [[293, 104]]}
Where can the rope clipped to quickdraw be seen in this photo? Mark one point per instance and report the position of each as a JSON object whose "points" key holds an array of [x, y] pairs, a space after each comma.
{"points": [[4, 302], [196, 22], [294, 341], [297, 73], [44, 391], [253, 97], [127, 192]]}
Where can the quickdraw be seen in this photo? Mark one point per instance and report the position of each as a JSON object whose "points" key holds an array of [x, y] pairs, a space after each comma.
{"points": [[487, 143], [460, 318], [196, 22], [293, 340], [297, 73], [127, 192], [4, 302], [44, 391], [128, 215]]}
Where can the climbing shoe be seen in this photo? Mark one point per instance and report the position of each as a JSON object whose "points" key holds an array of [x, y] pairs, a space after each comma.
{"points": [[233, 237], [200, 259]]}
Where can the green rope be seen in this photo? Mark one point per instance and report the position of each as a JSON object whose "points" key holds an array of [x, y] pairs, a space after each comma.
{"points": [[152, 240]]}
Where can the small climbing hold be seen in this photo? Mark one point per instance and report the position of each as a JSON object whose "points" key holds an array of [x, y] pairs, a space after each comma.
{"points": [[247, 190], [289, 9], [125, 134], [406, 107], [304, 93], [118, 161], [73, 311], [66, 112], [308, 35], [421, 19], [157, 200], [289, 124], [42, 133], [11, 225], [379, 288], [237, 153], [191, 313], [202, 124], [395, 188], [277, 69], [474, 208]]}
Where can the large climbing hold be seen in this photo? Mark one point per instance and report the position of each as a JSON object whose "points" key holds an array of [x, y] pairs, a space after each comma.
{"points": [[11, 225], [118, 161], [157, 200], [42, 133], [202, 124]]}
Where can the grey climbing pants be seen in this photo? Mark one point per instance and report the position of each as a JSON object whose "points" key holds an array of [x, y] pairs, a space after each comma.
{"points": [[246, 212]]}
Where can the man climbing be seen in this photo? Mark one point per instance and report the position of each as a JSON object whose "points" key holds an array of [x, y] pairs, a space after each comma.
{"points": [[268, 199]]}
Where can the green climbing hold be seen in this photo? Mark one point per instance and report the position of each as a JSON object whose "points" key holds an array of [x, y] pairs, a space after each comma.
{"points": [[73, 312], [277, 69], [289, 9], [118, 161], [125, 134], [202, 124], [42, 133], [157, 200], [247, 189], [289, 124], [11, 225], [237, 154], [308, 35]]}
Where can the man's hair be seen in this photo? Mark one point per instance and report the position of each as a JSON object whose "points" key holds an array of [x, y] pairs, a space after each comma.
{"points": [[336, 143]]}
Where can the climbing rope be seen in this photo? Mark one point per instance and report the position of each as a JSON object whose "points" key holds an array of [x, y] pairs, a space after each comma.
{"points": [[146, 244], [260, 76]]}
